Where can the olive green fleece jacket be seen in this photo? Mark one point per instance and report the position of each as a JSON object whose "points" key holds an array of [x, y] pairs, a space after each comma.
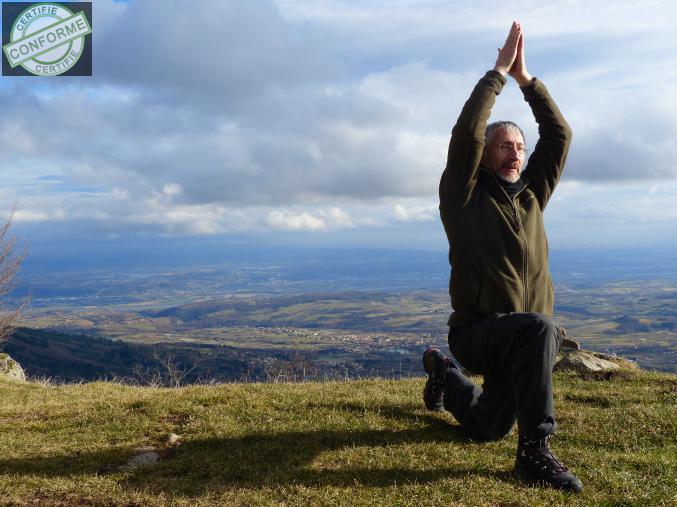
{"points": [[498, 249]]}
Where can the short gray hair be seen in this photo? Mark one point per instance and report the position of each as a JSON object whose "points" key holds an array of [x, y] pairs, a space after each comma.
{"points": [[507, 125]]}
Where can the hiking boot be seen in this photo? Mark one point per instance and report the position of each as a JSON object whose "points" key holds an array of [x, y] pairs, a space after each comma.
{"points": [[537, 465], [436, 366]]}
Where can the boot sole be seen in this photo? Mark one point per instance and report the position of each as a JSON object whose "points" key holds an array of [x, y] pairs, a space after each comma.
{"points": [[526, 477]]}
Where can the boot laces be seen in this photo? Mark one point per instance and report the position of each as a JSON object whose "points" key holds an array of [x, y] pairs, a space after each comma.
{"points": [[437, 387], [541, 458]]}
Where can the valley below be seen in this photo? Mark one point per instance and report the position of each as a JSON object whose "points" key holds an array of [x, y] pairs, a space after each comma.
{"points": [[280, 322]]}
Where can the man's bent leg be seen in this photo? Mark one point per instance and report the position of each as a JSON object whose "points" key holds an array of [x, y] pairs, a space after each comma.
{"points": [[533, 358], [523, 348], [487, 412], [515, 352]]}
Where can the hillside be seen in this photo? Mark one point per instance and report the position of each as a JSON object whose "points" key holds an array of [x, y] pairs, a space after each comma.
{"points": [[340, 443], [75, 357]]}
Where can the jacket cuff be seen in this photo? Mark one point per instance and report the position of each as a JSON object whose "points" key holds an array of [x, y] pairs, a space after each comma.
{"points": [[533, 90], [494, 74]]}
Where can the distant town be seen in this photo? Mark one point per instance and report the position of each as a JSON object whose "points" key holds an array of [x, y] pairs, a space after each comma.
{"points": [[331, 319]]}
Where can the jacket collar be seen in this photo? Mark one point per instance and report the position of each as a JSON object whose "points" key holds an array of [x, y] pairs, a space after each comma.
{"points": [[489, 179]]}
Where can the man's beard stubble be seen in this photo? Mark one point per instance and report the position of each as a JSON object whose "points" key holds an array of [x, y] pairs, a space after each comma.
{"points": [[509, 179]]}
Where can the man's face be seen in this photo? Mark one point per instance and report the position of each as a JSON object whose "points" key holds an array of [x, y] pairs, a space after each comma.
{"points": [[503, 156]]}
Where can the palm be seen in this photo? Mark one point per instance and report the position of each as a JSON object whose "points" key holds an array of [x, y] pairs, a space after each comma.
{"points": [[508, 53], [519, 67]]}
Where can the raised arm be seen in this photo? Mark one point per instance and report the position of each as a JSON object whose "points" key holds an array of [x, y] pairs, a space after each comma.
{"points": [[546, 163], [467, 136]]}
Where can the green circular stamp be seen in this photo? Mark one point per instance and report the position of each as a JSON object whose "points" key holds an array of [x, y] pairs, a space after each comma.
{"points": [[47, 39]]}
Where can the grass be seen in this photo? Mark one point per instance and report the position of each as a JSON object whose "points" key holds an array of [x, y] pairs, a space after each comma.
{"points": [[366, 442]]}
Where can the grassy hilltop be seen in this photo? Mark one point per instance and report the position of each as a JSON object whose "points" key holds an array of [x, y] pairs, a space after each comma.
{"points": [[366, 442]]}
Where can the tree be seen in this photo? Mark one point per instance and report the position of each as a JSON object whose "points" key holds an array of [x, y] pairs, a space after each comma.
{"points": [[10, 261]]}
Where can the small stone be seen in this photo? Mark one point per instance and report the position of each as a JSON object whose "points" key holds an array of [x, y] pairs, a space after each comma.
{"points": [[146, 456], [570, 344], [144, 459], [173, 439]]}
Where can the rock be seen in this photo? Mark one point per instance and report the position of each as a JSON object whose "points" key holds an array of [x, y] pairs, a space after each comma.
{"points": [[146, 456], [583, 361], [570, 344], [173, 439], [10, 369], [625, 364]]}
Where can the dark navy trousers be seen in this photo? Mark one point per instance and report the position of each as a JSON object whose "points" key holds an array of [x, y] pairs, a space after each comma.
{"points": [[515, 353]]}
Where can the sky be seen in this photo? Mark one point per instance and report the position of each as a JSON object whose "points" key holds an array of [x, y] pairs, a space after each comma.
{"points": [[326, 122]]}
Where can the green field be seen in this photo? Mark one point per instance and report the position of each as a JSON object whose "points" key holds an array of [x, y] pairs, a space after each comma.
{"points": [[332, 443]]}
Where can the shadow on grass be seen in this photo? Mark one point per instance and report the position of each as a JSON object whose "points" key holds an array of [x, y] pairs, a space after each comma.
{"points": [[275, 459]]}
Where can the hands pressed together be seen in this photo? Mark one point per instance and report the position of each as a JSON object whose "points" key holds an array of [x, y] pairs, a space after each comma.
{"points": [[511, 56]]}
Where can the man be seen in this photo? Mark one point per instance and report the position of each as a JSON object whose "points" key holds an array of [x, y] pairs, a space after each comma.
{"points": [[500, 285]]}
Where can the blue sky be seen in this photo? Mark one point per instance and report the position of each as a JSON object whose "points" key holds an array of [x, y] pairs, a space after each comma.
{"points": [[326, 122]]}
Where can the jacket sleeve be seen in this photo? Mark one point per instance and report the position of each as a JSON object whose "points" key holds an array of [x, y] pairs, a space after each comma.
{"points": [[466, 145], [546, 163]]}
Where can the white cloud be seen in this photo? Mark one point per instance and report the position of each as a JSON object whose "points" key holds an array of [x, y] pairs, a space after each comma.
{"points": [[404, 18], [339, 218], [415, 213], [294, 222], [16, 139], [171, 189], [628, 214], [327, 114], [30, 216]]}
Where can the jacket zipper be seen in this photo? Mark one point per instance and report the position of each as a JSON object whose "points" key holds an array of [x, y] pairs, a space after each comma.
{"points": [[525, 254]]}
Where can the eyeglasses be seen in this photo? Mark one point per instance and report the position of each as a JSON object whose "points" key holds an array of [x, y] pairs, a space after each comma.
{"points": [[521, 149]]}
